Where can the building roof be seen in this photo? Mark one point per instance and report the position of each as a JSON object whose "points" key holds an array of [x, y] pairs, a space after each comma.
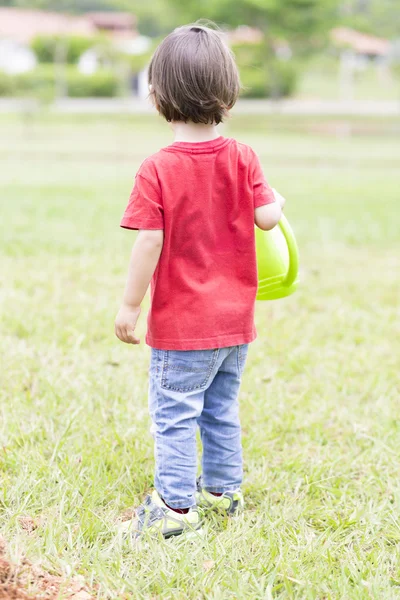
{"points": [[361, 43], [245, 35], [112, 20], [23, 25]]}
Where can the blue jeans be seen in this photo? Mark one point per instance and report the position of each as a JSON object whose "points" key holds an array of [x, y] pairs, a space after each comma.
{"points": [[190, 388]]}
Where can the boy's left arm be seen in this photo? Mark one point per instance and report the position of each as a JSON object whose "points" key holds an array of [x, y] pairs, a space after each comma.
{"points": [[279, 198], [144, 258]]}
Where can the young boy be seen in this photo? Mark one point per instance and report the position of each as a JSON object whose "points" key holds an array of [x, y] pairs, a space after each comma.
{"points": [[195, 203]]}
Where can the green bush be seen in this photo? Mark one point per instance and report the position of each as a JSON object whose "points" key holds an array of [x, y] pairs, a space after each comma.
{"points": [[69, 47], [395, 69], [278, 81], [38, 83], [41, 82], [7, 84], [137, 62], [254, 82], [101, 84], [249, 55], [264, 77]]}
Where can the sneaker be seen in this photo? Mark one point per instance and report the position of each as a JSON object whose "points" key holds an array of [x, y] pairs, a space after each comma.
{"points": [[154, 516], [231, 503]]}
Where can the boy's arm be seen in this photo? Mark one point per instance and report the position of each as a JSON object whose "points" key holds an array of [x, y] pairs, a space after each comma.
{"points": [[144, 258], [268, 215], [268, 203]]}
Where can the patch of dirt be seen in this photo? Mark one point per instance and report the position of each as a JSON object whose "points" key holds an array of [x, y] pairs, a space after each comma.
{"points": [[16, 580], [12, 592], [127, 515], [28, 524]]}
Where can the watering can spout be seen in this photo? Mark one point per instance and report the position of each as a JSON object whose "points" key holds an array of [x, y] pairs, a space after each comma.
{"points": [[277, 261]]}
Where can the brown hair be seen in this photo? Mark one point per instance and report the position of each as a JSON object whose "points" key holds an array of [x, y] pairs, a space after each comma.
{"points": [[193, 76]]}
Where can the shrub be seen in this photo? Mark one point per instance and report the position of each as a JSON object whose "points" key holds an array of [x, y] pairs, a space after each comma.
{"points": [[45, 47], [7, 84], [279, 81], [41, 82], [100, 84], [262, 78], [254, 82], [249, 55], [137, 62]]}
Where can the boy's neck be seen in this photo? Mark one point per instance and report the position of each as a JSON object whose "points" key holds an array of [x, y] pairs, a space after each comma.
{"points": [[194, 132]]}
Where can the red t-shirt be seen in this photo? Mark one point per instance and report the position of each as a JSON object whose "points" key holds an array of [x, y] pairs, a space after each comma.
{"points": [[203, 196]]}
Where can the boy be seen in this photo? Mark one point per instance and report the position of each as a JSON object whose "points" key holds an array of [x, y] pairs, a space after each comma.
{"points": [[195, 203]]}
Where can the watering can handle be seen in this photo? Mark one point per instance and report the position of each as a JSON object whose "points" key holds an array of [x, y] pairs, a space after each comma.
{"points": [[293, 269]]}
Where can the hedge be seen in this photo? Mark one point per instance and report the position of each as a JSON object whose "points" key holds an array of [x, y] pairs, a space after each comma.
{"points": [[261, 76], [41, 82], [101, 84], [45, 47], [7, 84], [259, 83]]}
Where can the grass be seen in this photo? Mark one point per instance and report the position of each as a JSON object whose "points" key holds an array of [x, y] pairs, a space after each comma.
{"points": [[320, 394]]}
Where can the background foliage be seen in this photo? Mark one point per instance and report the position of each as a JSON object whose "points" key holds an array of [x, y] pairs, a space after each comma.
{"points": [[156, 17], [72, 47]]}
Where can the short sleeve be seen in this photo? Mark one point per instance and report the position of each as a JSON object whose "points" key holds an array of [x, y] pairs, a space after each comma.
{"points": [[145, 208], [263, 193]]}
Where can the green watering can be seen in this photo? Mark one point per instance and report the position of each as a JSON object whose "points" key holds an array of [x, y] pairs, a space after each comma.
{"points": [[277, 261]]}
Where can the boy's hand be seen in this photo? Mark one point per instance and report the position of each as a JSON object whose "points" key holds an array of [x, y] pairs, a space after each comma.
{"points": [[125, 323], [279, 198]]}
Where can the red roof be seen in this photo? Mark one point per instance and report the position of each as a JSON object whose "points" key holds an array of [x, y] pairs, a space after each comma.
{"points": [[361, 43], [23, 25], [245, 35], [112, 20]]}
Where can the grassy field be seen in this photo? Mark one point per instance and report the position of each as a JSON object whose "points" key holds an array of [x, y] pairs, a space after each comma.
{"points": [[320, 397]]}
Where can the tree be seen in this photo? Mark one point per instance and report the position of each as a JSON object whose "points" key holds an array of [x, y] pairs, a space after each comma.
{"points": [[378, 17], [293, 20], [304, 24]]}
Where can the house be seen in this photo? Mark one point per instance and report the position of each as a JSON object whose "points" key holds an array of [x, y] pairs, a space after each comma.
{"points": [[116, 24], [361, 44], [18, 27], [21, 25]]}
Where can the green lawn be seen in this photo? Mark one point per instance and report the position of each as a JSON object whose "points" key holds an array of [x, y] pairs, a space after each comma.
{"points": [[320, 398]]}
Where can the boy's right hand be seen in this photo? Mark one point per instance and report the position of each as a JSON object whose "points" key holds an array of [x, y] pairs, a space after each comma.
{"points": [[125, 324]]}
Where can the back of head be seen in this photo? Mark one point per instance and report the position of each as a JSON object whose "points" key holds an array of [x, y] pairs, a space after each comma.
{"points": [[193, 76]]}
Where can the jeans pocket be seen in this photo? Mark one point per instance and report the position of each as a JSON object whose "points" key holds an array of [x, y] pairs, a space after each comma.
{"points": [[187, 370]]}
